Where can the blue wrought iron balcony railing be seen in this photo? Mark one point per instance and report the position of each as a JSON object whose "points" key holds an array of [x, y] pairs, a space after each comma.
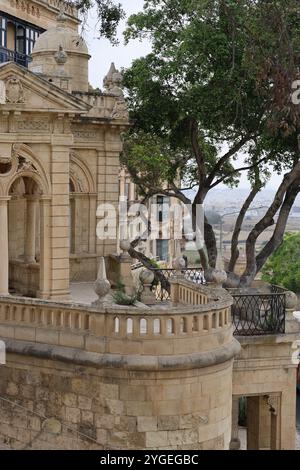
{"points": [[8, 55]]}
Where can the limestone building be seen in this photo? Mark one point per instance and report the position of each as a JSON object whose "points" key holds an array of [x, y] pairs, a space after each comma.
{"points": [[59, 151], [87, 375]]}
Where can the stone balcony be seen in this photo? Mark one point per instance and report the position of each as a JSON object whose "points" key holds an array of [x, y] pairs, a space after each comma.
{"points": [[185, 332]]}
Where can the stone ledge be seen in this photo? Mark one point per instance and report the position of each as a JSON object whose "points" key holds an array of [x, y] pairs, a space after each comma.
{"points": [[128, 362]]}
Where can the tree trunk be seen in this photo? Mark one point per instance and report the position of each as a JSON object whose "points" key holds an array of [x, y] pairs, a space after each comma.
{"points": [[210, 243], [238, 226], [279, 231], [265, 222]]}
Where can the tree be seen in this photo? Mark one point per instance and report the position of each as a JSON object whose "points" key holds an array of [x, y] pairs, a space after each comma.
{"points": [[283, 267], [109, 14], [219, 76]]}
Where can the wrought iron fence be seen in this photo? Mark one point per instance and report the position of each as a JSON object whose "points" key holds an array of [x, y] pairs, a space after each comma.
{"points": [[258, 314], [8, 55]]}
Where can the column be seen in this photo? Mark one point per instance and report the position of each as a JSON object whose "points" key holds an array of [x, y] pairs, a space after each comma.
{"points": [[4, 257], [235, 442], [29, 255], [45, 248]]}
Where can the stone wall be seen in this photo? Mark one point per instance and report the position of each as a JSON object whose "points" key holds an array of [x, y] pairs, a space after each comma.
{"points": [[54, 405], [117, 377]]}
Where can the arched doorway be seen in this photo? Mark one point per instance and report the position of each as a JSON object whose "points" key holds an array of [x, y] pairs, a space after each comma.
{"points": [[25, 223], [24, 234]]}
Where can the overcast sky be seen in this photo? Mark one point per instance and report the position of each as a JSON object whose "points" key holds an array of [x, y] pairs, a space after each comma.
{"points": [[103, 53]]}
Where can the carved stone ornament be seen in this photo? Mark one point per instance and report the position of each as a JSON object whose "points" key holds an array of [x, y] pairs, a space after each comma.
{"points": [[14, 91], [25, 165], [120, 111]]}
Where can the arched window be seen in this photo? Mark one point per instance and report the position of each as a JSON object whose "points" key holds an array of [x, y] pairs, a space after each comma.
{"points": [[116, 325], [129, 326]]}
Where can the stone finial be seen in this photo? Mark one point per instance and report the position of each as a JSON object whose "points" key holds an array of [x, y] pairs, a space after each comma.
{"points": [[291, 300], [125, 245], [147, 277], [102, 284], [113, 81], [219, 276], [61, 17], [108, 78], [179, 264]]}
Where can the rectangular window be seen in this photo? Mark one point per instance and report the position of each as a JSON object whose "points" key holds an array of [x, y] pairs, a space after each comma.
{"points": [[20, 40], [3, 32], [163, 208], [31, 37], [162, 249]]}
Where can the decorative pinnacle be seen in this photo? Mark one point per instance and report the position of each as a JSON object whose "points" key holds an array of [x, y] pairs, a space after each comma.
{"points": [[61, 17]]}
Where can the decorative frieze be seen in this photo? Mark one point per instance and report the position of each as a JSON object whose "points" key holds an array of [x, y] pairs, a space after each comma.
{"points": [[86, 134], [27, 7], [37, 125]]}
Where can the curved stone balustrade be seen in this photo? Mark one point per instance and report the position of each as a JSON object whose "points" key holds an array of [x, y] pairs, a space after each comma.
{"points": [[122, 330]]}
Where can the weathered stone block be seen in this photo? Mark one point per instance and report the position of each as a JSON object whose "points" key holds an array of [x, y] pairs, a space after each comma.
{"points": [[147, 423]]}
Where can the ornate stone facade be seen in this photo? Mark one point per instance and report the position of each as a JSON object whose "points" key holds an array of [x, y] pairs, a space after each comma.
{"points": [[59, 148]]}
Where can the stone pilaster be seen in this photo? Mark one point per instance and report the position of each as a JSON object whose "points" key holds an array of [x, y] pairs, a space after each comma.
{"points": [[60, 211], [4, 271]]}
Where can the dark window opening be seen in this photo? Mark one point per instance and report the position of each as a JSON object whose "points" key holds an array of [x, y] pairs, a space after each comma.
{"points": [[17, 40]]}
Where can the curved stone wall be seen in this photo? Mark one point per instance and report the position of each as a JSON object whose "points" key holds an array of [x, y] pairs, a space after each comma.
{"points": [[84, 379]]}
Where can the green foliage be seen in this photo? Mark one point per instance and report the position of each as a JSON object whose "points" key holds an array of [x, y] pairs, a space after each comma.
{"points": [[109, 13], [148, 158], [283, 267], [208, 64], [121, 298]]}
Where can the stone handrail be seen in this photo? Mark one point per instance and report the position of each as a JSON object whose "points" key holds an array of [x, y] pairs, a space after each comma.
{"points": [[121, 330], [102, 103], [184, 292]]}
